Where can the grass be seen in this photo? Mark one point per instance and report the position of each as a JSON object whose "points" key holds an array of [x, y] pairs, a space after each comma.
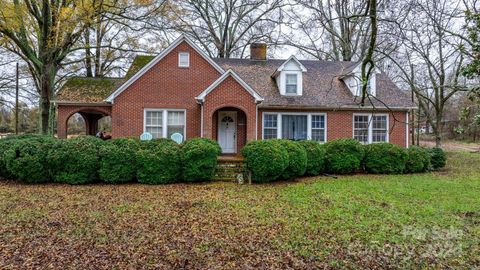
{"points": [[362, 221]]}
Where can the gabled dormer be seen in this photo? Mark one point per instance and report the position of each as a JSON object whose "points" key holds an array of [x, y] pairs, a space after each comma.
{"points": [[352, 77], [289, 77]]}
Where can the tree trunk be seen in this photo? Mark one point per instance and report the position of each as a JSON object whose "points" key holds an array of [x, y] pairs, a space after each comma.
{"points": [[47, 84], [438, 130]]}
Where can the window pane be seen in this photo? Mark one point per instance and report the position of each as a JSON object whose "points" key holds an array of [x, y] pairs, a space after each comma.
{"points": [[294, 127], [318, 135], [291, 89], [155, 131], [379, 121], [318, 121], [379, 135], [270, 121], [291, 79], [154, 118], [183, 59], [270, 133]]}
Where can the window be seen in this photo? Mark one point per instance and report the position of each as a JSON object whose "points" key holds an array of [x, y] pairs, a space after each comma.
{"points": [[379, 128], [291, 83], [294, 126], [270, 126], [318, 128], [183, 59], [370, 88], [368, 128], [176, 123], [360, 128], [154, 123], [163, 123]]}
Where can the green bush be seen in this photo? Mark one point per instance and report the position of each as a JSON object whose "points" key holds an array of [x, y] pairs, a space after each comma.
{"points": [[385, 158], [5, 144], [158, 162], [315, 157], [26, 159], [418, 160], [75, 161], [265, 160], [438, 158], [297, 158], [118, 160], [199, 159], [343, 156]]}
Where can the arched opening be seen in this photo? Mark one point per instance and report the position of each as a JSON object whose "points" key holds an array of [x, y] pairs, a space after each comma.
{"points": [[75, 126], [229, 129], [88, 122]]}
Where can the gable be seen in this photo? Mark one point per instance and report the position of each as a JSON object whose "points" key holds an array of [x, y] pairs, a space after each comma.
{"points": [[227, 75], [182, 41]]}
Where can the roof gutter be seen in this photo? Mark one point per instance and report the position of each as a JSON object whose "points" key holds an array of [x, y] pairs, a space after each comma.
{"points": [[339, 108]]}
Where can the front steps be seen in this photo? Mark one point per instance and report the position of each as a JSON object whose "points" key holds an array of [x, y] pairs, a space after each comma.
{"points": [[229, 168]]}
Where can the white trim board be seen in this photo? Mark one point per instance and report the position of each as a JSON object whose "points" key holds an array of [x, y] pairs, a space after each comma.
{"points": [[157, 59], [222, 78]]}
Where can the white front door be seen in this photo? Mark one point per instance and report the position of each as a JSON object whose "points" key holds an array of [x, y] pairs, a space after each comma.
{"points": [[227, 131]]}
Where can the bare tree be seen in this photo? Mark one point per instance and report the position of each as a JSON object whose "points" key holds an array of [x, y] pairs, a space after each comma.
{"points": [[428, 59], [225, 27]]}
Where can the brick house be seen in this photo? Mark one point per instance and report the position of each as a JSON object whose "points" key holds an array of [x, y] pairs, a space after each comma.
{"points": [[183, 90]]}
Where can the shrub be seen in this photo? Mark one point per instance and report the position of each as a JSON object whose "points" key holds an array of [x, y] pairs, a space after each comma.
{"points": [[297, 158], [385, 158], [343, 156], [418, 160], [265, 160], [315, 157], [438, 158], [118, 161], [158, 162], [5, 145], [26, 159], [199, 159], [75, 161]]}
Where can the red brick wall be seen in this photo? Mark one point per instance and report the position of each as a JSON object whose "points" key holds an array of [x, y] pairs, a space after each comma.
{"points": [[165, 85], [340, 124], [230, 94]]}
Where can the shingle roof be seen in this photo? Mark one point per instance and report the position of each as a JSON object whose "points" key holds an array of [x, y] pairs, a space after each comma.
{"points": [[87, 89], [322, 86]]}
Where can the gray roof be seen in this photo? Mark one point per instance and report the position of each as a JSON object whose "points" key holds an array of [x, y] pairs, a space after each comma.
{"points": [[322, 86]]}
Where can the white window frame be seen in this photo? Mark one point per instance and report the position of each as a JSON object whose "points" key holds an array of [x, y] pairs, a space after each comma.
{"points": [[309, 123], [184, 54], [286, 83], [370, 126], [165, 120]]}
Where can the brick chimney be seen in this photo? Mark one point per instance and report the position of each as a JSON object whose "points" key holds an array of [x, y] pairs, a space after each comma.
{"points": [[258, 51]]}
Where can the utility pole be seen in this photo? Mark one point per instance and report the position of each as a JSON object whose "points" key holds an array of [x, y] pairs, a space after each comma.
{"points": [[16, 101]]}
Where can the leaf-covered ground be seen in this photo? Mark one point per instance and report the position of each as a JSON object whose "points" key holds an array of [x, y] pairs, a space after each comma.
{"points": [[362, 221]]}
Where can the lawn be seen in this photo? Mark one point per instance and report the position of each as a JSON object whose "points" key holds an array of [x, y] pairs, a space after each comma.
{"points": [[362, 221]]}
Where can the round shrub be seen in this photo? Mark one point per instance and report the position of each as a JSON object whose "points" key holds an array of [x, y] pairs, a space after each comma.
{"points": [[158, 162], [438, 158], [26, 159], [75, 161], [118, 161], [315, 157], [343, 156], [8, 142], [385, 158], [418, 160], [265, 160], [199, 159], [297, 158]]}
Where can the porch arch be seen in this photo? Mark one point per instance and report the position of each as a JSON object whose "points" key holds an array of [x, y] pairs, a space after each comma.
{"points": [[90, 114]]}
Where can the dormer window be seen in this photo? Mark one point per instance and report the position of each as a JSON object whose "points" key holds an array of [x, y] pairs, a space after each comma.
{"points": [[289, 77], [183, 59], [291, 83]]}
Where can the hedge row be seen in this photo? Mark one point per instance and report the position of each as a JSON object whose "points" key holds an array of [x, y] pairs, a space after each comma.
{"points": [[270, 160], [39, 159]]}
